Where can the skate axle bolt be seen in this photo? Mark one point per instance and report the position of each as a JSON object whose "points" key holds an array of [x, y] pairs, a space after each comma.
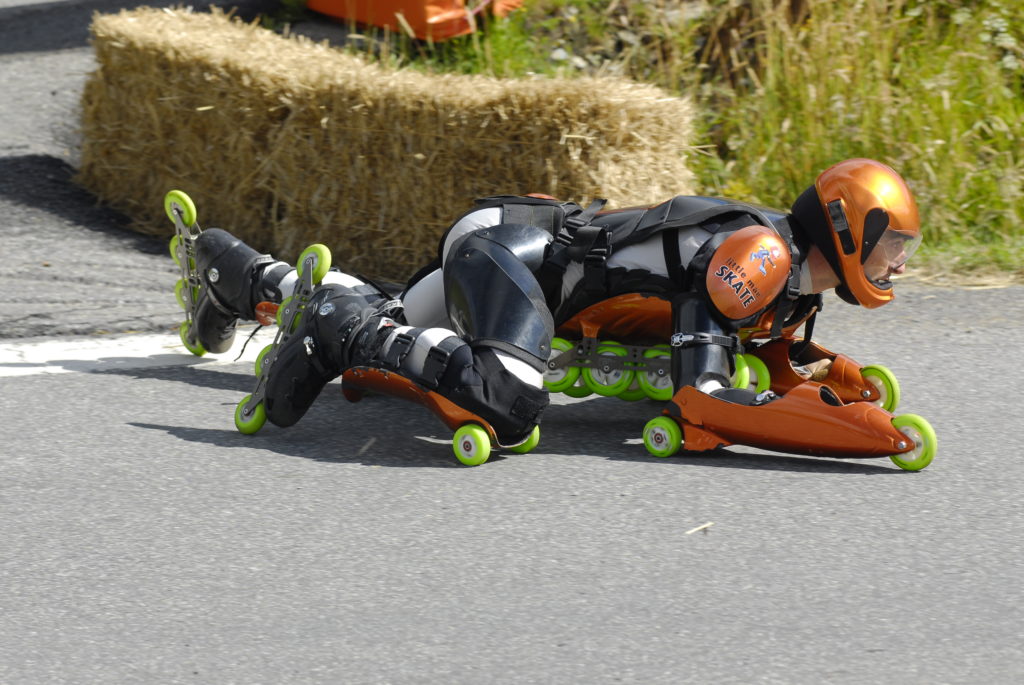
{"points": [[213, 275], [865, 394], [901, 445]]}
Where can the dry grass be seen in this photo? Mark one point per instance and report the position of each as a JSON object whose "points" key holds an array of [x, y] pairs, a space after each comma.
{"points": [[285, 143]]}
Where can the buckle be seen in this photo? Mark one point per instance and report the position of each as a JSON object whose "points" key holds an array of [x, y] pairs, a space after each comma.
{"points": [[398, 350], [597, 255], [575, 221], [434, 365]]}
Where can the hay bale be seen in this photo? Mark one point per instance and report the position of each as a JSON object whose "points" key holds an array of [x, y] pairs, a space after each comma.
{"points": [[285, 142]]}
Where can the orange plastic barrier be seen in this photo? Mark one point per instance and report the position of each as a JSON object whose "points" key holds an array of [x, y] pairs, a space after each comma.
{"points": [[427, 19]]}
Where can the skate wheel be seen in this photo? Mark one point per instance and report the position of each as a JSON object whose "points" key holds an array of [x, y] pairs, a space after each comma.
{"points": [[609, 382], [177, 199], [280, 315], [557, 380], [886, 384], [662, 436], [195, 348], [758, 379], [530, 444], [260, 357], [179, 293], [925, 443], [578, 389], [741, 378], [173, 246], [654, 386], [321, 261], [248, 420], [472, 444], [633, 393]]}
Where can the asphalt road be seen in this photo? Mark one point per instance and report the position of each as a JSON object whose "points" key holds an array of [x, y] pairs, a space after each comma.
{"points": [[143, 540]]}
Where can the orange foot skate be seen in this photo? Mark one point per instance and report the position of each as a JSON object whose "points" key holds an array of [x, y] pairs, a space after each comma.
{"points": [[810, 419], [770, 363]]}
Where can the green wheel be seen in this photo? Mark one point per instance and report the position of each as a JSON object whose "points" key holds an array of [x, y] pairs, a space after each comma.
{"points": [[557, 380], [280, 315], [757, 372], [662, 436], [183, 202], [251, 419], [741, 378], [886, 384], [633, 393], [195, 348], [472, 444], [530, 444], [173, 246], [260, 357], [612, 382], [922, 435], [321, 264], [578, 390], [179, 293], [654, 386]]}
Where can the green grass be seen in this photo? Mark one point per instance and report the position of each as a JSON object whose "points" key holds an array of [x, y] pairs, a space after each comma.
{"points": [[934, 88]]}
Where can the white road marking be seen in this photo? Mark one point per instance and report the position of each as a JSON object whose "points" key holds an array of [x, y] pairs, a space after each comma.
{"points": [[30, 356]]}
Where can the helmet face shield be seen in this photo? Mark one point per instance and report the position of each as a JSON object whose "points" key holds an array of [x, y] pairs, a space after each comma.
{"points": [[889, 256]]}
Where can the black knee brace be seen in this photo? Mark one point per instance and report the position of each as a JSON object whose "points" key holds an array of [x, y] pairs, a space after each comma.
{"points": [[492, 295], [701, 350]]}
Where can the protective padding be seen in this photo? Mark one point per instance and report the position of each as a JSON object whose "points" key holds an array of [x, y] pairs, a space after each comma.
{"points": [[492, 296], [696, 364], [748, 271]]}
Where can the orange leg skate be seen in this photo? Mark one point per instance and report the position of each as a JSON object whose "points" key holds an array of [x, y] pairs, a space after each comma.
{"points": [[474, 437]]}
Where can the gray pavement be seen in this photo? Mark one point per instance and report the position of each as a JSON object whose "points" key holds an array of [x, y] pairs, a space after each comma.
{"points": [[143, 540]]}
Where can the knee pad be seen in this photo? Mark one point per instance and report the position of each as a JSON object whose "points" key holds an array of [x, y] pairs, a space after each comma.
{"points": [[492, 296]]}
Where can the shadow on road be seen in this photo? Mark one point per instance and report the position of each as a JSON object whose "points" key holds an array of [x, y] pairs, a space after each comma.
{"points": [[45, 183], [364, 433], [193, 374]]}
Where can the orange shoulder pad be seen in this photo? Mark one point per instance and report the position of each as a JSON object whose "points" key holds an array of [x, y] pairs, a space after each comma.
{"points": [[748, 271]]}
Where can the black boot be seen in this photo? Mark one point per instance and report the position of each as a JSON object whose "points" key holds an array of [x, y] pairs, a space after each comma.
{"points": [[339, 329], [231, 274]]}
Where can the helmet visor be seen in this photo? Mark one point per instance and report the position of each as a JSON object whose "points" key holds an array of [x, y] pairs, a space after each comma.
{"points": [[889, 256]]}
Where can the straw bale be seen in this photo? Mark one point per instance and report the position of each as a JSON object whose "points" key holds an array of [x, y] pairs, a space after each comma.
{"points": [[285, 142]]}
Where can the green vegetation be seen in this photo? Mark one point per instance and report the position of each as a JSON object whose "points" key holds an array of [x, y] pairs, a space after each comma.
{"points": [[934, 88]]}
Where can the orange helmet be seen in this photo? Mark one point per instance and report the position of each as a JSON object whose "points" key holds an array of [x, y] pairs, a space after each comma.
{"points": [[863, 218]]}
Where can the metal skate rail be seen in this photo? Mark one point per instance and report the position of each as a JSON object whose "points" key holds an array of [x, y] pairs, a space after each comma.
{"points": [[294, 306], [185, 252]]}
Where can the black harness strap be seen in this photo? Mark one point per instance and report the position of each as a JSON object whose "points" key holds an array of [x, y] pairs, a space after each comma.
{"points": [[574, 221], [673, 260], [590, 245], [684, 340]]}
